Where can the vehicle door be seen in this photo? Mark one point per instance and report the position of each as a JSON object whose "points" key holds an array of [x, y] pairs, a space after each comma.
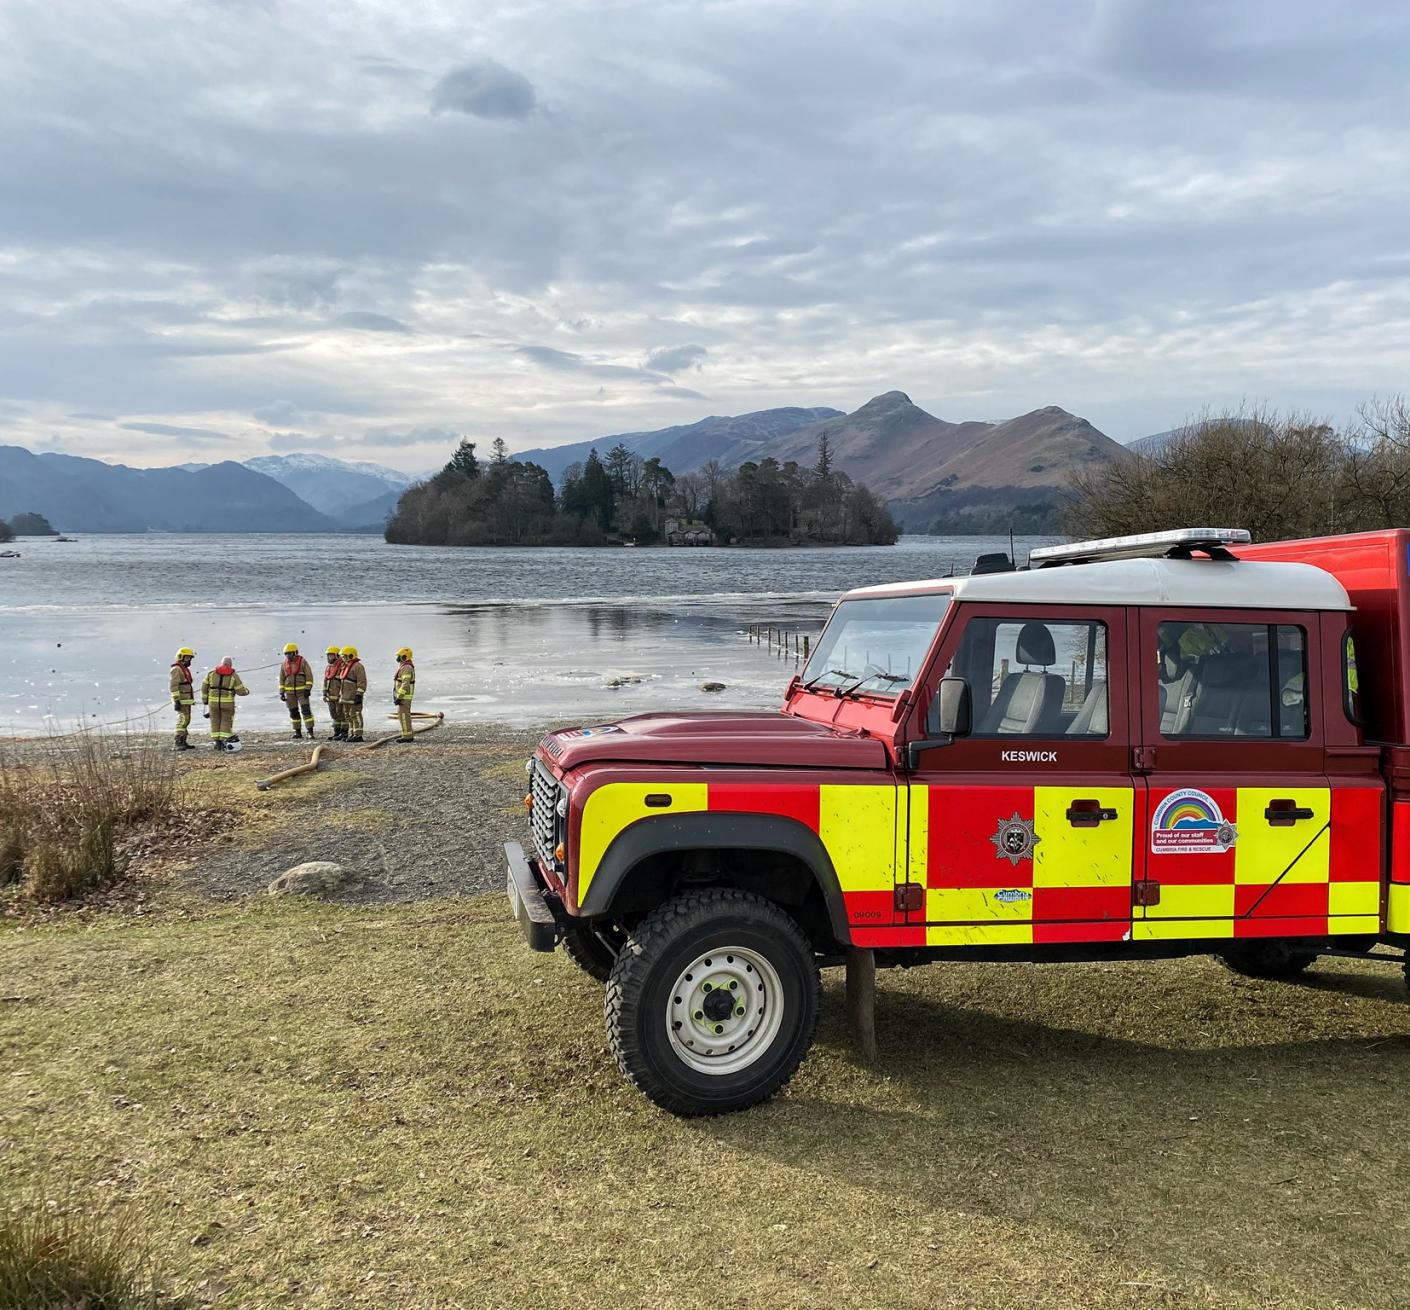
{"points": [[1024, 825], [1239, 835]]}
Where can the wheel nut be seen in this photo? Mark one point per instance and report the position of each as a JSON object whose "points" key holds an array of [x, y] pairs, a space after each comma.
{"points": [[740, 1010], [700, 1014]]}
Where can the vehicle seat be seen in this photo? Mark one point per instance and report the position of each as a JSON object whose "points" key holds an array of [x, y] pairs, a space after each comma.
{"points": [[1177, 685], [1230, 698], [1028, 702], [1091, 719]]}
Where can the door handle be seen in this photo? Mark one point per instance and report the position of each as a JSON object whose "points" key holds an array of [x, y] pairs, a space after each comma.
{"points": [[1087, 814], [1285, 813]]}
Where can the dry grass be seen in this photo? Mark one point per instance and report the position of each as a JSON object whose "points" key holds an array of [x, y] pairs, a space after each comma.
{"points": [[60, 1254], [334, 1108], [65, 802]]}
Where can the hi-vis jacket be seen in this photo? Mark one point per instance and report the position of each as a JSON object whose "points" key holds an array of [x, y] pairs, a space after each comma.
{"points": [[295, 674], [353, 680], [404, 685], [221, 686], [182, 691], [332, 679]]}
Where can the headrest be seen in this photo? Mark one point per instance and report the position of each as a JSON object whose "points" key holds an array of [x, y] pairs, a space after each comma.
{"points": [[1231, 670], [1035, 645]]}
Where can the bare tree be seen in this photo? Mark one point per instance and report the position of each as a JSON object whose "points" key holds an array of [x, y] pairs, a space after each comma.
{"points": [[1276, 475], [1378, 463]]}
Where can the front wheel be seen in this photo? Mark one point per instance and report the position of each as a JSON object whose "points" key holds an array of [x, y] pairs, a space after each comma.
{"points": [[1266, 959], [713, 1002]]}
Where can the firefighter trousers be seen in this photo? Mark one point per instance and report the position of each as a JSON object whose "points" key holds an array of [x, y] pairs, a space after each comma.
{"points": [[300, 711], [183, 719], [352, 717], [404, 717], [335, 712], [222, 722]]}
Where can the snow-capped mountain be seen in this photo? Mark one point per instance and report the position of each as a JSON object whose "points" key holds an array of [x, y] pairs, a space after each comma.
{"points": [[332, 486]]}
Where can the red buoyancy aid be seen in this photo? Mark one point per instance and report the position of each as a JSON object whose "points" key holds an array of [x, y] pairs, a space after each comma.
{"points": [[185, 671]]}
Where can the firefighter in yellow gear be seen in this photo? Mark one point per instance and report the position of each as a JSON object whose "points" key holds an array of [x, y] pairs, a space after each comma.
{"points": [[295, 688], [332, 682], [222, 684], [403, 690], [183, 695], [352, 687]]}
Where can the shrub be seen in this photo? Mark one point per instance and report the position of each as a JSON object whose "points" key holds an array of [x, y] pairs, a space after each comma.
{"points": [[62, 812], [64, 1257]]}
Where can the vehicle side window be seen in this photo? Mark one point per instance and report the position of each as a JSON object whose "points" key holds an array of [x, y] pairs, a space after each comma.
{"points": [[1231, 680], [1034, 677], [1350, 683]]}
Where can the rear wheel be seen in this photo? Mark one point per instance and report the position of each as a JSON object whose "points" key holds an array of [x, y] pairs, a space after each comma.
{"points": [[593, 951], [1266, 959], [713, 1002]]}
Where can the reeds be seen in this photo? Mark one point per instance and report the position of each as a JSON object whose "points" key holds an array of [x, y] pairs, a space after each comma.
{"points": [[64, 1256], [63, 803]]}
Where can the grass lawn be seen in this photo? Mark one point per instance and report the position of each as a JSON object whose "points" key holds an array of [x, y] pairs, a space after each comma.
{"points": [[328, 1107]]}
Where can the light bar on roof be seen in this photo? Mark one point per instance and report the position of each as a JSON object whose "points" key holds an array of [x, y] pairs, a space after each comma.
{"points": [[1141, 545]]}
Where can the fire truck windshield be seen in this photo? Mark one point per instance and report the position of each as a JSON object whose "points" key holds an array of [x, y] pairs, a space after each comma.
{"points": [[875, 644]]}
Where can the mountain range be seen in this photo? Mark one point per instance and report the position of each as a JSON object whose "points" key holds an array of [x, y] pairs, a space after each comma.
{"points": [[276, 493], [935, 474]]}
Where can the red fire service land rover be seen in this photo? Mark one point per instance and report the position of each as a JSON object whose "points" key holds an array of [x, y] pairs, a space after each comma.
{"points": [[1170, 744]]}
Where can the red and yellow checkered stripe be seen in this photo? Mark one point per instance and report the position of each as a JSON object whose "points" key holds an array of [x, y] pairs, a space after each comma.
{"points": [[1318, 877]]}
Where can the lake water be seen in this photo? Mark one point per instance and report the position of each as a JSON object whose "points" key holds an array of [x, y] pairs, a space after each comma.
{"points": [[517, 636]]}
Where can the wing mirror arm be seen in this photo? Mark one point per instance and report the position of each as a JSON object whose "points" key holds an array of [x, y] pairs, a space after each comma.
{"points": [[949, 717]]}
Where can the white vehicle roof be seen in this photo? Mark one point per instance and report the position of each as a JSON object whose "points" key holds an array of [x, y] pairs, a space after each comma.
{"points": [[1227, 584]]}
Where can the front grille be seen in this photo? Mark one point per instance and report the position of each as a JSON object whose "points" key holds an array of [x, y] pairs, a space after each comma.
{"points": [[543, 816]]}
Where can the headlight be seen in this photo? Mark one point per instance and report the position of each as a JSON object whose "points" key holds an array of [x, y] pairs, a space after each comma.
{"points": [[529, 766], [562, 806]]}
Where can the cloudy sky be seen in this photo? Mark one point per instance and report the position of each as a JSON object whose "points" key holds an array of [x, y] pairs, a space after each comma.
{"points": [[232, 227]]}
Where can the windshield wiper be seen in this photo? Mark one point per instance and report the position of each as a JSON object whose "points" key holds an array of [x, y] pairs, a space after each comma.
{"points": [[872, 677], [828, 673]]}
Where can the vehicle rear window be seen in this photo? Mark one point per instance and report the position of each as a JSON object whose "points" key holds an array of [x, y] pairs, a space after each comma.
{"points": [[875, 645], [1231, 680], [1350, 682]]}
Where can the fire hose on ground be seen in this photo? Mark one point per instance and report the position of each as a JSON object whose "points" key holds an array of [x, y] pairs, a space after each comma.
{"points": [[314, 760]]}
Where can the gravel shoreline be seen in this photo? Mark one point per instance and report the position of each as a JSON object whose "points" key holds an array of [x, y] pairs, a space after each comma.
{"points": [[415, 822], [412, 822]]}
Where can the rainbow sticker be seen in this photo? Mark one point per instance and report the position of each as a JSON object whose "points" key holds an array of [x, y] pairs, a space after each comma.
{"points": [[1188, 822]]}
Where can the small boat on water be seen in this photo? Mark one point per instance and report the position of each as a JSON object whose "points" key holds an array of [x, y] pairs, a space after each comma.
{"points": [[9, 554], [65, 538]]}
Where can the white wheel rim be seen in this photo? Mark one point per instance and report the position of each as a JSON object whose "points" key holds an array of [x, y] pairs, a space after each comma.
{"points": [[712, 1037]]}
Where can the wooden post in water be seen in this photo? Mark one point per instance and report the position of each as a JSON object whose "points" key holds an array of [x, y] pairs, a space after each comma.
{"points": [[805, 646]]}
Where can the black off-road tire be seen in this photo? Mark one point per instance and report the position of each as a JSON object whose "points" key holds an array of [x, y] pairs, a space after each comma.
{"points": [[1266, 959], [594, 956], [703, 925]]}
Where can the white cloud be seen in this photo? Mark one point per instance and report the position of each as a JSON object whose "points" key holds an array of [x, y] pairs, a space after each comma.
{"points": [[1116, 207]]}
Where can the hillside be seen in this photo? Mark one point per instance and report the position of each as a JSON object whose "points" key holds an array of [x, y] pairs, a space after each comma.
{"points": [[731, 440], [935, 474], [87, 495]]}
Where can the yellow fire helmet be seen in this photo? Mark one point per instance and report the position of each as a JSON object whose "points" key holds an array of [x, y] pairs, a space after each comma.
{"points": [[184, 652], [350, 651], [404, 653], [291, 648], [334, 650]]}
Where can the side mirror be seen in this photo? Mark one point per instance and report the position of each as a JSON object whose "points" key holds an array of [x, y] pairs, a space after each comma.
{"points": [[948, 718], [952, 708]]}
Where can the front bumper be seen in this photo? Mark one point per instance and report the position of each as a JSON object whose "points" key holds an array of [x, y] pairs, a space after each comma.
{"points": [[527, 901]]}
